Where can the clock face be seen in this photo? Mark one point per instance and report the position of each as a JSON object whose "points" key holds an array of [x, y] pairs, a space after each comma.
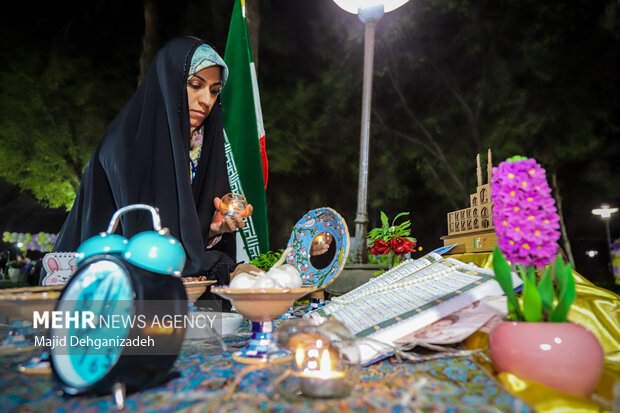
{"points": [[103, 289]]}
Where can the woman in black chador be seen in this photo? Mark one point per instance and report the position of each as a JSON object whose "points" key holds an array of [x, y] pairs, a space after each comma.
{"points": [[165, 149]]}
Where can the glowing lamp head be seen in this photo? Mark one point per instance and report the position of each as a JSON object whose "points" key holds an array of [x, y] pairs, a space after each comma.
{"points": [[369, 10], [354, 6], [605, 211]]}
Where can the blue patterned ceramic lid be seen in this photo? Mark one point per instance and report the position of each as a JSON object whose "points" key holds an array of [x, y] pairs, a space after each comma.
{"points": [[307, 228]]}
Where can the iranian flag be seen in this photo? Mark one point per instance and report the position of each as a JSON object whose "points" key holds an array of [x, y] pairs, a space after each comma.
{"points": [[245, 136]]}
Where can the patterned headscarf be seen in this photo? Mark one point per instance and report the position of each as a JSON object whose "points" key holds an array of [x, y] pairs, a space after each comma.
{"points": [[204, 56]]}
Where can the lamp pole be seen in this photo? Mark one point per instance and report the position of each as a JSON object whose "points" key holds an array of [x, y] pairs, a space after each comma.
{"points": [[369, 12], [605, 212], [369, 17]]}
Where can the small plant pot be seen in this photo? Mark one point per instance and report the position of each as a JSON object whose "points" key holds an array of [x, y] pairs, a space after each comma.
{"points": [[564, 356], [15, 274]]}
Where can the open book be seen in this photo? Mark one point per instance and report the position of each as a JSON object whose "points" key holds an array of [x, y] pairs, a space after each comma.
{"points": [[410, 296]]}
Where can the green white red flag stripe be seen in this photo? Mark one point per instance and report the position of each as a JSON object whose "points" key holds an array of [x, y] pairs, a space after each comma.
{"points": [[243, 125]]}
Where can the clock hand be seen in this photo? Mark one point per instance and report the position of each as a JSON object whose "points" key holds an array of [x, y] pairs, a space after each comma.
{"points": [[86, 301], [104, 312]]}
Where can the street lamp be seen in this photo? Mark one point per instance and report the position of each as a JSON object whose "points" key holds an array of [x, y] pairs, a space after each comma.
{"points": [[592, 253], [605, 212], [369, 12]]}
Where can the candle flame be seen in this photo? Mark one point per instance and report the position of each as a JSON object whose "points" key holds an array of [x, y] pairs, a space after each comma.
{"points": [[326, 363], [299, 355]]}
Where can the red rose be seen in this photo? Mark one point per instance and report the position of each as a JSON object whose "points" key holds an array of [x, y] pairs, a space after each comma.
{"points": [[380, 247], [402, 245]]}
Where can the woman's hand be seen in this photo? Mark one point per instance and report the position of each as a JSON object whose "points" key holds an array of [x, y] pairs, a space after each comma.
{"points": [[320, 248], [222, 224]]}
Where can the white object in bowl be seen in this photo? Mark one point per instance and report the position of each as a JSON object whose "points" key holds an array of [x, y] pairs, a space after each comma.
{"points": [[243, 280], [285, 276], [201, 324]]}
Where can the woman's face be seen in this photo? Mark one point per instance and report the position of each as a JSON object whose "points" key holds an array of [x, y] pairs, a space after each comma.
{"points": [[203, 89]]}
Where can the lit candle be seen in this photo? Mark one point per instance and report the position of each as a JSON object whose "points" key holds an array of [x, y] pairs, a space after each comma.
{"points": [[300, 355], [232, 204], [324, 382], [230, 208]]}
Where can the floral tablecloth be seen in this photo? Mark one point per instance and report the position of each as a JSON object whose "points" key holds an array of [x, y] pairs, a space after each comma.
{"points": [[204, 373]]}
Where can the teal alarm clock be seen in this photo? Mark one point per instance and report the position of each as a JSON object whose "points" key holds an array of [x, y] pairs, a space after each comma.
{"points": [[109, 334]]}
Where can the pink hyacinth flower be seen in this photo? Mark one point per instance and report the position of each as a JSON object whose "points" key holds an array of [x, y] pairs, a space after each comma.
{"points": [[524, 213]]}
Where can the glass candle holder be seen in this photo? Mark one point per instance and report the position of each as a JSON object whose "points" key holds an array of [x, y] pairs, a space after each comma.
{"points": [[324, 362], [232, 204]]}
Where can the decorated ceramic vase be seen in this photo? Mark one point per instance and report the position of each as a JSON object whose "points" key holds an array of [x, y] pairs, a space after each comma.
{"points": [[564, 356]]}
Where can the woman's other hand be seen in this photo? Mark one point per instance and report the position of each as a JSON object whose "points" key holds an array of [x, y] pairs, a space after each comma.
{"points": [[320, 244], [318, 249], [221, 223]]}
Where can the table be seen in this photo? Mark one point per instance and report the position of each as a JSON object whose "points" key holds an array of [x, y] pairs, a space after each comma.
{"points": [[204, 371]]}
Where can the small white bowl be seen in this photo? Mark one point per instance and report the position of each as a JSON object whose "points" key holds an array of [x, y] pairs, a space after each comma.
{"points": [[202, 324]]}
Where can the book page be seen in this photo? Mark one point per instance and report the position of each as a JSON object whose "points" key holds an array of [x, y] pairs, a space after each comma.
{"points": [[404, 269], [406, 291], [409, 297], [459, 325]]}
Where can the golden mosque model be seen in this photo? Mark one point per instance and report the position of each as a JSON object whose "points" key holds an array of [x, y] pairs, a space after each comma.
{"points": [[472, 228]]}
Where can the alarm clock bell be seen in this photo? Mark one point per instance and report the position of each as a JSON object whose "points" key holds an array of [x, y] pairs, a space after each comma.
{"points": [[136, 279]]}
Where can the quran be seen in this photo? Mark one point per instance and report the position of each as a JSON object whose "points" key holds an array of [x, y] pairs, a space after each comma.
{"points": [[408, 297]]}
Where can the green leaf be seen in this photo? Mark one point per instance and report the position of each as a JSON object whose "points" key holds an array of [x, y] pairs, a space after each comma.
{"points": [[384, 220], [404, 226], [516, 158], [267, 260], [532, 303], [531, 274], [503, 277], [567, 296], [545, 289], [374, 234], [512, 312], [560, 275], [398, 216]]}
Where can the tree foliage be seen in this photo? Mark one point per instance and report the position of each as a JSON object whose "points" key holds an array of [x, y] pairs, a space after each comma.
{"points": [[517, 77], [60, 84], [451, 80], [50, 120]]}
